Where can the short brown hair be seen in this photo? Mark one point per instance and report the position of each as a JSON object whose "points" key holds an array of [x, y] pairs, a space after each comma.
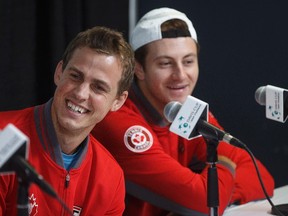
{"points": [[106, 41]]}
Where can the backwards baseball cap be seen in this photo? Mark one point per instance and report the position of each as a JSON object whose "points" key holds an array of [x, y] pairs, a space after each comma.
{"points": [[148, 28]]}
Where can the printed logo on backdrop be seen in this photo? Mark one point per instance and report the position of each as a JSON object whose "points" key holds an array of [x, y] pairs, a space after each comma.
{"points": [[138, 139]]}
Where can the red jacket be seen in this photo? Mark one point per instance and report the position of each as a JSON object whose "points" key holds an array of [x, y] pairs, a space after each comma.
{"points": [[94, 186], [167, 173]]}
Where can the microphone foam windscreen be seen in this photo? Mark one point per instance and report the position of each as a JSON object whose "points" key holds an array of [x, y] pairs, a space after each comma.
{"points": [[260, 95], [171, 110]]}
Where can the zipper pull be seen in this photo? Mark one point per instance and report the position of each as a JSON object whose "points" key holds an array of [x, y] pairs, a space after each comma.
{"points": [[67, 180]]}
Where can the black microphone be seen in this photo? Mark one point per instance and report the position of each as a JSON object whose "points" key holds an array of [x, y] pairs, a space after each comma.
{"points": [[13, 151], [190, 115], [275, 100]]}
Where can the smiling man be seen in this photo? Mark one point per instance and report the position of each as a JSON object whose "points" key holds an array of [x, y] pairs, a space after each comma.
{"points": [[91, 80], [164, 172]]}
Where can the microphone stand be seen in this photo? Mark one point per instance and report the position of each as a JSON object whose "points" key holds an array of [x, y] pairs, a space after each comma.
{"points": [[26, 175], [22, 199], [212, 181]]}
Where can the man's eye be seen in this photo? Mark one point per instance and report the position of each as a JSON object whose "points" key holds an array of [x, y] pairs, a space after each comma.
{"points": [[189, 62], [74, 76], [98, 88], [163, 64]]}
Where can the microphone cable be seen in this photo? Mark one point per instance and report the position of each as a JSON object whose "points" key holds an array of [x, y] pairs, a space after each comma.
{"points": [[274, 208]]}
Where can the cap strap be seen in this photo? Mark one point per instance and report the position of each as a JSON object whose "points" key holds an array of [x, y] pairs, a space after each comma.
{"points": [[173, 33]]}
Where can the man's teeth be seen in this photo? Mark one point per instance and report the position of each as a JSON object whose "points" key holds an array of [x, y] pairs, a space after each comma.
{"points": [[75, 108]]}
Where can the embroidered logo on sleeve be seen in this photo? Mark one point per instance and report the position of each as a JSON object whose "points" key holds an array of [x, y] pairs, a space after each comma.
{"points": [[138, 139]]}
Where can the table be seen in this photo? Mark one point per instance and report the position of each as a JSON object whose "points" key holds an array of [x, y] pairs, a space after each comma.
{"points": [[259, 208]]}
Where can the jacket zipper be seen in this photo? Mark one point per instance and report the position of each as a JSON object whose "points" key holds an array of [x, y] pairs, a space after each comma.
{"points": [[67, 180]]}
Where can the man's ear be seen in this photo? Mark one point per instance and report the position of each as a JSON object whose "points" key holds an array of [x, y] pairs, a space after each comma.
{"points": [[58, 72], [139, 71], [118, 103]]}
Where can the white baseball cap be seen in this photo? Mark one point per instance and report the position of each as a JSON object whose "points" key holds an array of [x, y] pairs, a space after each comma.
{"points": [[148, 28]]}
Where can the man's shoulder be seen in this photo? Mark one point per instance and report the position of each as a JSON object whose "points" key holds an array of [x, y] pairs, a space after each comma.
{"points": [[99, 149], [128, 111], [16, 117]]}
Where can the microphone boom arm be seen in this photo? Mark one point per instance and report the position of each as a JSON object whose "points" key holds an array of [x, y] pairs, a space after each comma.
{"points": [[211, 132]]}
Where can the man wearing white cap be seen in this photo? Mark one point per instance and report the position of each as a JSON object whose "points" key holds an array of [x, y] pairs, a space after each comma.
{"points": [[166, 173]]}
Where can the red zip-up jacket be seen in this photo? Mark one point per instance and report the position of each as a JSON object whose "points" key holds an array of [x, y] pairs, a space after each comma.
{"points": [[166, 173], [93, 186]]}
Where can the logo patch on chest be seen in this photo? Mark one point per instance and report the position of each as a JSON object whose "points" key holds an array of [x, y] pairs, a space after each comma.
{"points": [[76, 211], [32, 206]]}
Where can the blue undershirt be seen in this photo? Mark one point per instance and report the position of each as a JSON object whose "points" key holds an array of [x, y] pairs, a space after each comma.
{"points": [[70, 160]]}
